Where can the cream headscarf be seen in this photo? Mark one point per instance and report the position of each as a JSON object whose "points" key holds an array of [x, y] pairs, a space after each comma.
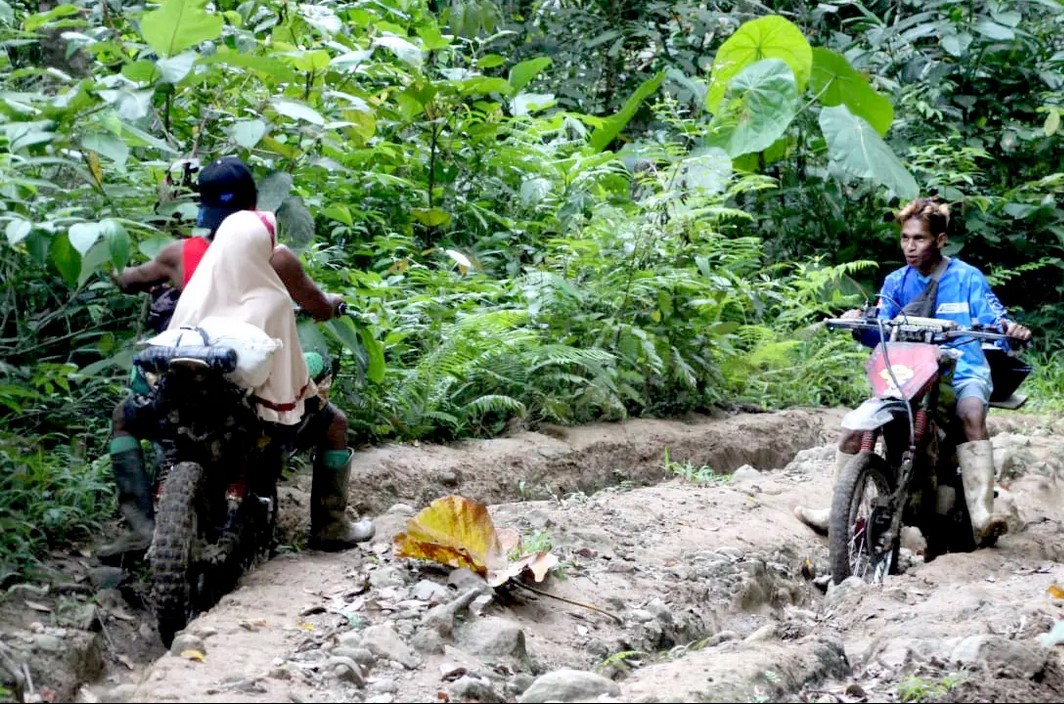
{"points": [[235, 280]]}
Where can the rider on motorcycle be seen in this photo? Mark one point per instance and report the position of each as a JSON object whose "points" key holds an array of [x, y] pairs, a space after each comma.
{"points": [[225, 186], [935, 286], [245, 275]]}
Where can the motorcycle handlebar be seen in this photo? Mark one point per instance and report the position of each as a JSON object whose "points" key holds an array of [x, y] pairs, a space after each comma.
{"points": [[939, 330]]}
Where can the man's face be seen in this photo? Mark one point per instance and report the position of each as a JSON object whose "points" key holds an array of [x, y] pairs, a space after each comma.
{"points": [[922, 250]]}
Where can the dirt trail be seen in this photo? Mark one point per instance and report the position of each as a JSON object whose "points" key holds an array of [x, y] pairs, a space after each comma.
{"points": [[714, 586]]}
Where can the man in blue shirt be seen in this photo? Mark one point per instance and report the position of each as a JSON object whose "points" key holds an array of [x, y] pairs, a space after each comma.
{"points": [[958, 292]]}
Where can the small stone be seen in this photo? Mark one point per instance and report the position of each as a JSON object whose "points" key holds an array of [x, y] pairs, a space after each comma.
{"points": [[351, 639], [492, 636], [362, 656], [384, 642], [432, 592], [344, 651], [766, 632], [465, 579], [121, 693], [187, 641], [280, 673], [427, 641], [730, 552], [519, 683], [382, 685], [346, 669], [642, 615], [469, 687], [568, 686], [106, 577], [481, 603], [48, 643], [448, 477], [746, 473], [386, 576]]}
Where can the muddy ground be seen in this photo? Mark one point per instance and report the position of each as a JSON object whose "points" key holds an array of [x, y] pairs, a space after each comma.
{"points": [[704, 588]]}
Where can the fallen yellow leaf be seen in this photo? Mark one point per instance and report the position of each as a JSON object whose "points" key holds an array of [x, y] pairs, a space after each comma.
{"points": [[1055, 591], [193, 655], [454, 531]]}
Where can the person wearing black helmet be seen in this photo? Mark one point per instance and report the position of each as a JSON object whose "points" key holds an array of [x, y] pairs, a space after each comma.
{"points": [[226, 187]]}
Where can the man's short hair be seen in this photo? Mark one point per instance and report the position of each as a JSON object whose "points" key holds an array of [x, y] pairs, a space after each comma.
{"points": [[933, 211]]}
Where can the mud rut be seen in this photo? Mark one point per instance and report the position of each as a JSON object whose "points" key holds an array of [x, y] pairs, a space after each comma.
{"points": [[717, 592]]}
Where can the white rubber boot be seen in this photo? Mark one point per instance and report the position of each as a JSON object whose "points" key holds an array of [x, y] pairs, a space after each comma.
{"points": [[977, 476], [818, 518]]}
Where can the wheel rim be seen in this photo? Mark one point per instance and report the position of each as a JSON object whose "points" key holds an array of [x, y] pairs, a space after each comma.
{"points": [[868, 559]]}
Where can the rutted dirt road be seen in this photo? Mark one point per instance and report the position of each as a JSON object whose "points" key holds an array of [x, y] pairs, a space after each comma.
{"points": [[714, 591]]}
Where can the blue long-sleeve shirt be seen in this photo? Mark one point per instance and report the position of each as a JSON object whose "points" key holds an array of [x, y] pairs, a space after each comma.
{"points": [[964, 296]]}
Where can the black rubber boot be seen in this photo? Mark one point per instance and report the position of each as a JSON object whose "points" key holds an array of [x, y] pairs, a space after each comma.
{"points": [[135, 503], [329, 527]]}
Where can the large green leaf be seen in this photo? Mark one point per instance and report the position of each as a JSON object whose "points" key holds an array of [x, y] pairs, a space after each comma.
{"points": [[83, 236], [92, 261], [118, 243], [178, 25], [769, 37], [174, 69], [375, 355], [409, 54], [760, 104], [612, 126], [298, 110], [65, 258], [17, 230], [836, 82], [525, 71], [295, 224], [859, 150], [247, 133], [266, 67], [108, 145]]}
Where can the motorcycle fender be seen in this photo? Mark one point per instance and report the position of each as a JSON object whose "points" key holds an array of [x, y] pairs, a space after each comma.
{"points": [[873, 413]]}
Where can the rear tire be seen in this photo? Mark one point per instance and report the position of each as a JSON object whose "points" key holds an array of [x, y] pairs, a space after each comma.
{"points": [[173, 563], [853, 516]]}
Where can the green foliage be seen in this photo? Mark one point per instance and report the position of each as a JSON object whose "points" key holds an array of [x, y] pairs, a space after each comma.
{"points": [[47, 498], [771, 37], [914, 688], [698, 475]]}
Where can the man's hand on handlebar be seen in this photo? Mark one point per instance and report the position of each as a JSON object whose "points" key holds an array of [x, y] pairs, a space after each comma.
{"points": [[1018, 332], [852, 314], [336, 303]]}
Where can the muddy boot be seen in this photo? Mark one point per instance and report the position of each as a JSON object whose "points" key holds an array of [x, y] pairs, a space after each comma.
{"points": [[818, 518], [329, 527], [977, 476], [134, 500]]}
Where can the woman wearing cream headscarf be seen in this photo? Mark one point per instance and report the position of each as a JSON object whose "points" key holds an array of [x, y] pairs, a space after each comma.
{"points": [[246, 276], [235, 279]]}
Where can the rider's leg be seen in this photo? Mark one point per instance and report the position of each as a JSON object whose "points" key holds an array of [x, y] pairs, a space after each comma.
{"points": [[329, 527], [134, 488], [977, 461], [818, 518]]}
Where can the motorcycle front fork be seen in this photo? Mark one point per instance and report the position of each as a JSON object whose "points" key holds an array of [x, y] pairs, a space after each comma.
{"points": [[894, 503]]}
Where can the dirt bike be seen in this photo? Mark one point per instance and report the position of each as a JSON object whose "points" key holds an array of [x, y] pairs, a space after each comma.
{"points": [[216, 481], [909, 434]]}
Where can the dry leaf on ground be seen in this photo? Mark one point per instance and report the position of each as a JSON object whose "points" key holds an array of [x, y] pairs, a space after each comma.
{"points": [[459, 532]]}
